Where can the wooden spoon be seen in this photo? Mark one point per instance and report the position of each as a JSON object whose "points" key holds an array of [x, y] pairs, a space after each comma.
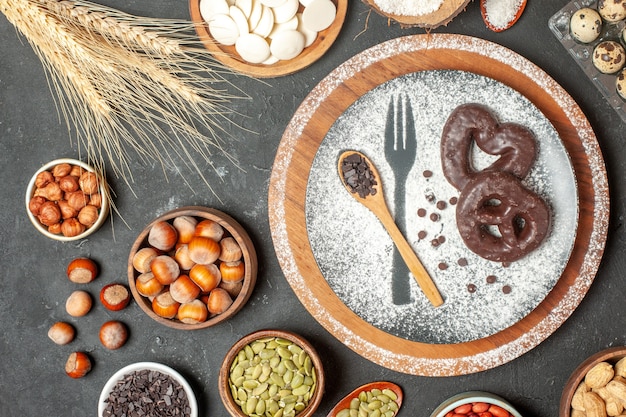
{"points": [[381, 385], [518, 14], [376, 203]]}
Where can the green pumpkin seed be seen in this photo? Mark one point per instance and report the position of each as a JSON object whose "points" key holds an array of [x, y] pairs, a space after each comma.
{"points": [[251, 405], [297, 380], [260, 389], [344, 413], [301, 390], [389, 393], [260, 408], [354, 403], [375, 413], [250, 384]]}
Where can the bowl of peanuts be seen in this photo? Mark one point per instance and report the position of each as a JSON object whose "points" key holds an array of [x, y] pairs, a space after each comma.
{"points": [[480, 403], [271, 372], [67, 200], [192, 268], [597, 387]]}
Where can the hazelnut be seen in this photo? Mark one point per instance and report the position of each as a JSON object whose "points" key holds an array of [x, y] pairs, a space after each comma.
{"points": [[165, 269], [233, 288], [78, 303], [68, 183], [193, 312], [184, 290], [219, 301], [113, 334], [78, 365], [203, 250], [61, 170], [49, 213], [77, 199], [186, 226], [51, 191], [88, 182], [147, 285], [165, 306], [230, 251], [142, 259], [114, 297], [88, 215], [61, 333], [162, 236], [55, 229], [232, 271], [207, 277], [67, 211], [72, 227], [209, 228], [76, 171], [43, 178], [183, 258], [82, 270], [34, 205], [95, 200]]}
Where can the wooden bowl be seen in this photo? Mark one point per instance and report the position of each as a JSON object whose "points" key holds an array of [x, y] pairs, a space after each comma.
{"points": [[229, 57], [231, 228], [147, 366], [449, 10], [102, 212], [226, 393], [474, 397], [610, 355]]}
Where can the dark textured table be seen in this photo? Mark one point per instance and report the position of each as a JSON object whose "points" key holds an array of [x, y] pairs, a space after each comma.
{"points": [[34, 286]]}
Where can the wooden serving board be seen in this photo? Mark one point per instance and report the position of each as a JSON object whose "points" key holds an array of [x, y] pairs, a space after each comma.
{"points": [[336, 93]]}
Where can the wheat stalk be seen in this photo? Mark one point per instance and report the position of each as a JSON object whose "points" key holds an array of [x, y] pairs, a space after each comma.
{"points": [[125, 81]]}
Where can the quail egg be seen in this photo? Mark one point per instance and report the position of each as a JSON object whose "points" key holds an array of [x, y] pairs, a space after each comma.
{"points": [[609, 57], [612, 10], [585, 25]]}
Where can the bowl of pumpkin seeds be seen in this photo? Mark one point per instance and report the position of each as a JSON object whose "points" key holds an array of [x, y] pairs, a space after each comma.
{"points": [[271, 373]]}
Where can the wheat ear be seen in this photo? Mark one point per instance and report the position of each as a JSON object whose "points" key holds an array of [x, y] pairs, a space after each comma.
{"points": [[124, 82]]}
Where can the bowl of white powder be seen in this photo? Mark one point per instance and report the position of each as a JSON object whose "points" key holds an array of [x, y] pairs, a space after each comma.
{"points": [[422, 13]]}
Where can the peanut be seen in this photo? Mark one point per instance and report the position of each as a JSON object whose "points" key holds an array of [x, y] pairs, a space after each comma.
{"points": [[613, 407], [577, 398], [620, 368], [599, 375], [618, 390], [594, 406]]}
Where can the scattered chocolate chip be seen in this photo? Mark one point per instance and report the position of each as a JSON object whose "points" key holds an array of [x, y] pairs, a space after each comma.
{"points": [[430, 197], [147, 393], [358, 176], [434, 217], [443, 266], [506, 264], [441, 239], [427, 173], [462, 262], [506, 289], [471, 288], [441, 205], [422, 234], [491, 279], [453, 200], [434, 242], [421, 212]]}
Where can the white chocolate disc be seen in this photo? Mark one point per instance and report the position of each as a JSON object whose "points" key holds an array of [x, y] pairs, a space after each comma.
{"points": [[255, 14], [266, 23], [291, 24], [240, 18], [273, 3], [209, 8], [245, 6], [309, 35], [252, 48], [319, 15], [286, 11], [271, 60], [305, 3], [287, 44], [224, 29]]}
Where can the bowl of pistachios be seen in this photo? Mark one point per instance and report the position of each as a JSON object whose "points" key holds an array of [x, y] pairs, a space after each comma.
{"points": [[271, 372]]}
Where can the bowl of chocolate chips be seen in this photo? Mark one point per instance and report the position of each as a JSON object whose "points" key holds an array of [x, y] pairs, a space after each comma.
{"points": [[147, 389]]}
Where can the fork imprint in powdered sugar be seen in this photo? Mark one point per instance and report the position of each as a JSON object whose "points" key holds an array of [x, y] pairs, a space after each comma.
{"points": [[400, 150]]}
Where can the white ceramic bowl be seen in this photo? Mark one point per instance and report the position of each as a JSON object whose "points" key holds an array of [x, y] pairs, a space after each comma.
{"points": [[103, 212], [472, 397], [193, 403]]}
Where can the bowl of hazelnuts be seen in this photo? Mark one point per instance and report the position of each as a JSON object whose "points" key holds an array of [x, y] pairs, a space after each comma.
{"points": [[66, 199], [192, 268]]}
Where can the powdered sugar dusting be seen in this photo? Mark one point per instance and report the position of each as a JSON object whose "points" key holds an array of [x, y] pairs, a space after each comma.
{"points": [[472, 361], [408, 7]]}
